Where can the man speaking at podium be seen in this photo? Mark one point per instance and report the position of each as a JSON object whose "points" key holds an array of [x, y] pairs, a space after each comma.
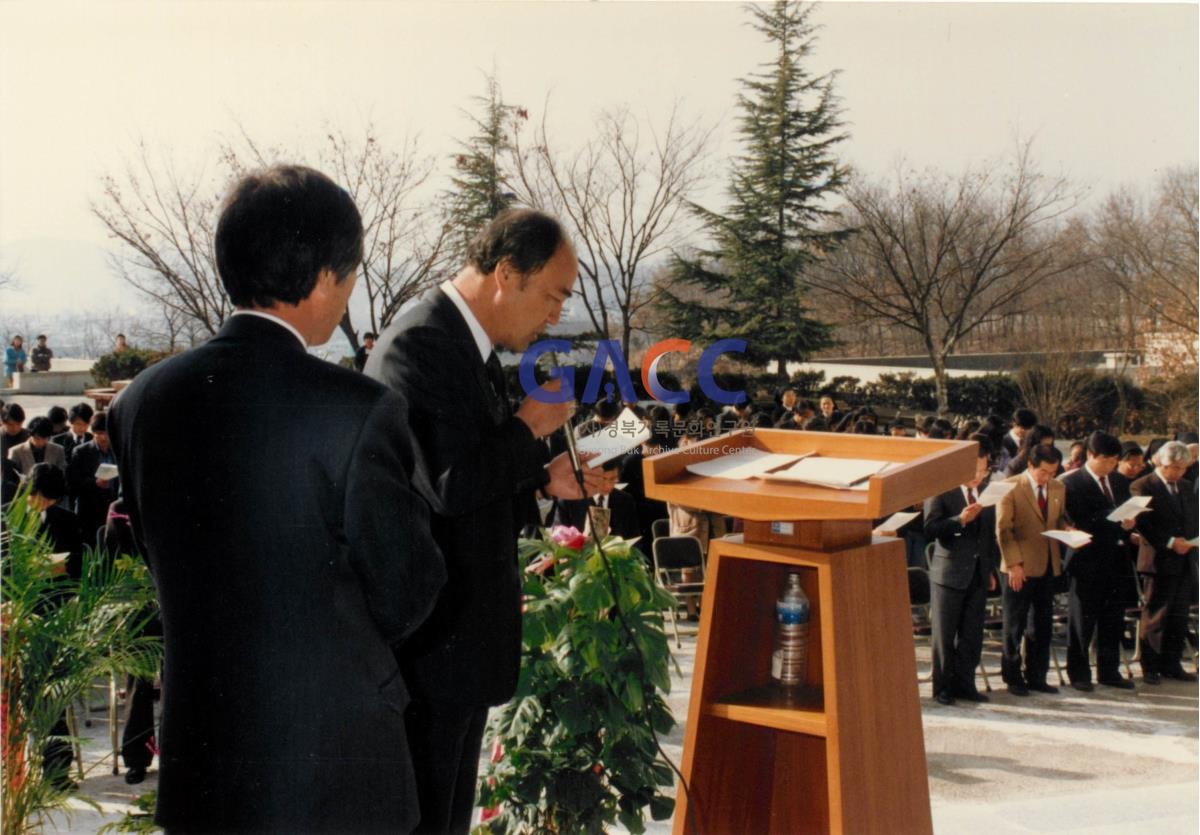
{"points": [[482, 465]]}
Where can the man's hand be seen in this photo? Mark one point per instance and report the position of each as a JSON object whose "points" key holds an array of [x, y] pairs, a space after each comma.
{"points": [[1128, 524], [1016, 576], [102, 483], [562, 483], [544, 418], [1180, 545], [970, 513]]}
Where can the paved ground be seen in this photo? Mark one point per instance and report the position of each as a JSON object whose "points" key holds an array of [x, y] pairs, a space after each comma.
{"points": [[1107, 762]]}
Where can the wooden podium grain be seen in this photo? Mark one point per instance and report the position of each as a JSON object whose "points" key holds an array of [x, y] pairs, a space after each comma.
{"points": [[845, 753]]}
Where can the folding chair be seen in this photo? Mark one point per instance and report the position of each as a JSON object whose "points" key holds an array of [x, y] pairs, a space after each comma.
{"points": [[660, 528], [673, 555]]}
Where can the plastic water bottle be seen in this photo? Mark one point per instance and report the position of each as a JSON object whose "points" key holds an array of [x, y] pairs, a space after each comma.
{"points": [[790, 658]]}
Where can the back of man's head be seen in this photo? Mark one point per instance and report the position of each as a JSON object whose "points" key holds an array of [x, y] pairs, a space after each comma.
{"points": [[47, 481], [1024, 418], [41, 427], [526, 238], [1103, 444], [280, 228]]}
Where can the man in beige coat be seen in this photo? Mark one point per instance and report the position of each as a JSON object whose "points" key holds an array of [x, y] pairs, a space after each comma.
{"points": [[1030, 563], [38, 449]]}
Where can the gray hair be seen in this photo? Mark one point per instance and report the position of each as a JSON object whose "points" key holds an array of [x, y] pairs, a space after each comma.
{"points": [[1172, 452]]}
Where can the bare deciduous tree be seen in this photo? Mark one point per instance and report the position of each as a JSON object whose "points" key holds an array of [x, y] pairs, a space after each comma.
{"points": [[941, 257], [621, 195]]}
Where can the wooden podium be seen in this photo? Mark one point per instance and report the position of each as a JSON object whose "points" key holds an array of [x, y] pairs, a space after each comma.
{"points": [[845, 753]]}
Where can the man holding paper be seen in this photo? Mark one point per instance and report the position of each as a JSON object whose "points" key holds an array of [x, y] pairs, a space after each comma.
{"points": [[482, 464], [1101, 571], [961, 572], [1169, 527], [1030, 562]]}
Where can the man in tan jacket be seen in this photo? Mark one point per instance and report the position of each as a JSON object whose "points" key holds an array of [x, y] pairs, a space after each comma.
{"points": [[1030, 563]]}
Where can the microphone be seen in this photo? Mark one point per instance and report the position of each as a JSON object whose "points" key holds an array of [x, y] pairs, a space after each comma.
{"points": [[568, 434]]}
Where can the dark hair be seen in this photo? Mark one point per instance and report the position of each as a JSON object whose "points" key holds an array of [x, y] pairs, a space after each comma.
{"points": [[864, 427], [100, 422], [924, 424], [1024, 418], [1129, 449], [47, 481], [57, 415], [370, 335], [1040, 455], [1036, 435], [13, 411], [525, 237], [81, 411], [985, 444], [607, 410], [279, 229], [41, 336], [816, 423], [41, 427], [896, 424], [760, 420], [1102, 443]]}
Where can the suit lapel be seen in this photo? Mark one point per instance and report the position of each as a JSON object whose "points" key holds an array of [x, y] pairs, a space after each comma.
{"points": [[460, 333], [1026, 489]]}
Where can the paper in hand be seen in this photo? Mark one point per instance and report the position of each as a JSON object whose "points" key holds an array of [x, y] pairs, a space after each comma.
{"points": [[995, 491], [1130, 509], [620, 436], [107, 472], [1072, 539], [895, 522]]}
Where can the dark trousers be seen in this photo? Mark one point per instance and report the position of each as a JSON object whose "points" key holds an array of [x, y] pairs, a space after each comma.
{"points": [[1029, 614], [57, 754], [1164, 621], [137, 738], [957, 635], [1096, 607], [444, 741]]}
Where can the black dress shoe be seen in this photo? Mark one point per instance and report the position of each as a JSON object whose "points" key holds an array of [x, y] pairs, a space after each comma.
{"points": [[134, 776], [1151, 678], [943, 697], [1119, 683], [971, 696], [1042, 687], [1018, 689], [1083, 686], [1178, 675]]}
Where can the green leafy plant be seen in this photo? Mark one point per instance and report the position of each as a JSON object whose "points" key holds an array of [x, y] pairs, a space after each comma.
{"points": [[125, 365], [141, 819], [573, 749], [59, 636]]}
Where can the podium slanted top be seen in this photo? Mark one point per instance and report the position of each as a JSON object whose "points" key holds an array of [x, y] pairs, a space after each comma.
{"points": [[922, 468]]}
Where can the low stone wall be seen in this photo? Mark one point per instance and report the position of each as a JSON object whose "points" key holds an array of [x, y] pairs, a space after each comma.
{"points": [[69, 376]]}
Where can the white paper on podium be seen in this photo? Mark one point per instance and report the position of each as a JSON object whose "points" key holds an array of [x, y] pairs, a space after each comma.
{"points": [[1130, 509], [864, 486], [1072, 539], [620, 436], [837, 473], [995, 491], [895, 522], [1194, 542], [747, 462], [106, 471]]}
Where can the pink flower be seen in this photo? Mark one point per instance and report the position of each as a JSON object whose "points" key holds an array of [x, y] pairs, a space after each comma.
{"points": [[568, 537]]}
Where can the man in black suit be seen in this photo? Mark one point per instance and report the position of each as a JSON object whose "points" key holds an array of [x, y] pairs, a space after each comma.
{"points": [[1023, 422], [1167, 527], [622, 507], [961, 572], [483, 465], [78, 419], [91, 494], [290, 551], [1100, 574]]}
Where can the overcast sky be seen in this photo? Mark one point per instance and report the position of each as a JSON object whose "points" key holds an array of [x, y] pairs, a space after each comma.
{"points": [[1108, 92]]}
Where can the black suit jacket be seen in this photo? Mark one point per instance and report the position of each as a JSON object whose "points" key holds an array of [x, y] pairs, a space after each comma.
{"points": [[90, 501], [61, 527], [1108, 552], [959, 547], [1167, 517], [623, 521], [481, 468], [291, 555], [67, 441]]}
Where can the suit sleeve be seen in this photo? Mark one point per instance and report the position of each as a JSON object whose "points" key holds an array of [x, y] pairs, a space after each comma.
{"points": [[1005, 538], [387, 525], [468, 468], [938, 521], [1154, 525]]}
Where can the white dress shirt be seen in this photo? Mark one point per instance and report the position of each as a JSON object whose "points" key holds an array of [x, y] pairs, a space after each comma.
{"points": [[482, 342]]}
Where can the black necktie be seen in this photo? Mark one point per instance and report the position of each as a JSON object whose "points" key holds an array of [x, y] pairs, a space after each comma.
{"points": [[495, 375]]}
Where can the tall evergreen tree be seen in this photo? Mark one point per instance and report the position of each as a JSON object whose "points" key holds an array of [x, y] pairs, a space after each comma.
{"points": [[480, 182], [750, 283]]}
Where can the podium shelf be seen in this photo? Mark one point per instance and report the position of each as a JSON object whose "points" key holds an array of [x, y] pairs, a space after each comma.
{"points": [[799, 711]]}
